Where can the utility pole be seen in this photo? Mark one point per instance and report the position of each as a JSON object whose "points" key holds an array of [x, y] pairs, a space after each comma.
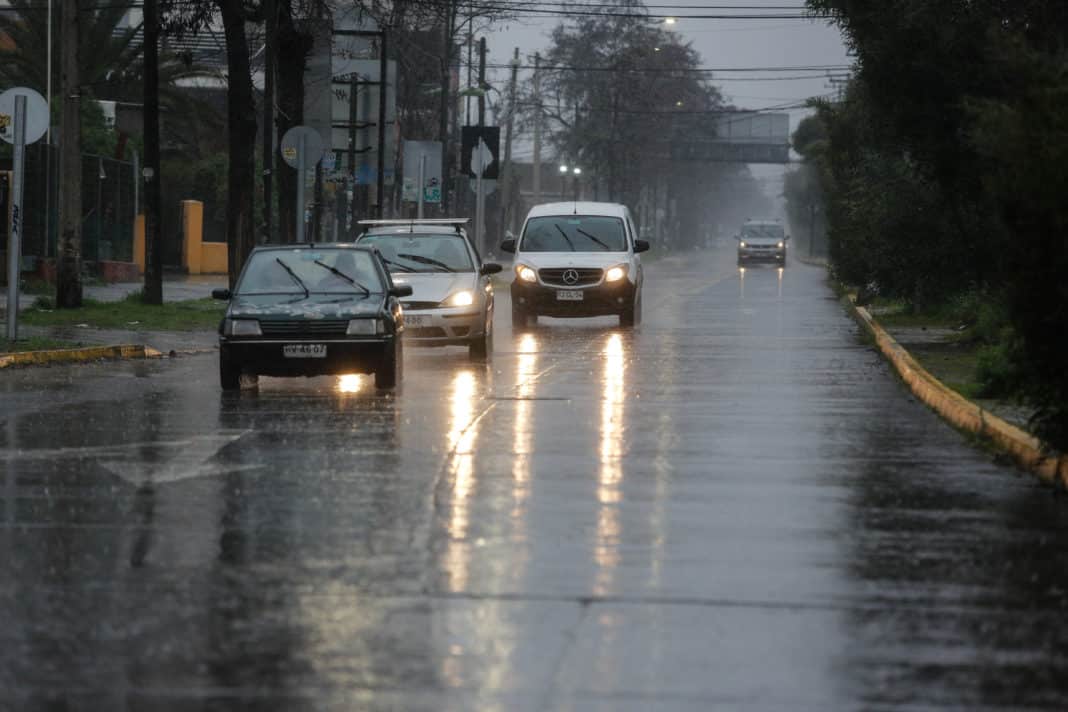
{"points": [[269, 61], [446, 103], [482, 81], [506, 169], [383, 91], [537, 128], [153, 293], [69, 257]]}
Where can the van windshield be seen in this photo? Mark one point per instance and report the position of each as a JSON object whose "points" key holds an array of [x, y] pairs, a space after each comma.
{"points": [[773, 231], [574, 233]]}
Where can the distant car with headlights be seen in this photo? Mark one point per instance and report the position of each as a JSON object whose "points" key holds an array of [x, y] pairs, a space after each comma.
{"points": [[312, 310], [577, 259], [452, 294], [762, 240]]}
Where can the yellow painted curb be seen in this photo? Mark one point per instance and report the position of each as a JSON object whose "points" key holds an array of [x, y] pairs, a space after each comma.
{"points": [[94, 353], [961, 412]]}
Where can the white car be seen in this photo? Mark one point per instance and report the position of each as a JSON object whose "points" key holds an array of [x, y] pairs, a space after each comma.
{"points": [[762, 240], [452, 294], [577, 260]]}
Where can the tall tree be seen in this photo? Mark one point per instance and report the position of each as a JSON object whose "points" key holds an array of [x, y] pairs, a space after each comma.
{"points": [[153, 291], [69, 264]]}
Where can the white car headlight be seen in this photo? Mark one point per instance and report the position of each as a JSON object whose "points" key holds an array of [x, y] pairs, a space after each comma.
{"points": [[526, 273], [242, 327], [364, 327], [614, 274], [460, 299], [742, 244], [781, 244]]}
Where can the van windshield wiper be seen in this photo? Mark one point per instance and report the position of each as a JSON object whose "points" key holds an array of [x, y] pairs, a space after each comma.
{"points": [[595, 239], [344, 276], [569, 242], [293, 274]]}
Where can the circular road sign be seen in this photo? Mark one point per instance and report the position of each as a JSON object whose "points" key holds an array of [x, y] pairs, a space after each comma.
{"points": [[36, 114], [313, 146]]}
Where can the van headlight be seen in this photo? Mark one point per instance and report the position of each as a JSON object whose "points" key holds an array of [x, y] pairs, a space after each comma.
{"points": [[526, 273], [242, 327], [614, 274], [460, 299], [364, 327]]}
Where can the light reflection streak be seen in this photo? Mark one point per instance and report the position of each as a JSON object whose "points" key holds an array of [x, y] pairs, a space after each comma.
{"points": [[523, 429], [609, 495], [780, 282], [741, 282], [462, 436]]}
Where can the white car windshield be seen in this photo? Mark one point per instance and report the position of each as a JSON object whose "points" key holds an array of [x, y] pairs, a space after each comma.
{"points": [[310, 271], [574, 233], [420, 252], [768, 231]]}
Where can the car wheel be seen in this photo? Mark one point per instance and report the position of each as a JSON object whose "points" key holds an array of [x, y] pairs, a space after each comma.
{"points": [[632, 313], [519, 317], [389, 368], [229, 374], [481, 347]]}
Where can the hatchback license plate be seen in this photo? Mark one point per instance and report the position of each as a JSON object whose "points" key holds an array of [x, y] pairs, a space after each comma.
{"points": [[304, 350], [416, 320], [569, 295]]}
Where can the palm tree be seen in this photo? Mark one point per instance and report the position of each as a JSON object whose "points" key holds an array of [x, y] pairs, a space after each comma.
{"points": [[111, 62]]}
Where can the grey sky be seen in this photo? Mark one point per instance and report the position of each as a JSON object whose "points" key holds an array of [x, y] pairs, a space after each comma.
{"points": [[721, 43]]}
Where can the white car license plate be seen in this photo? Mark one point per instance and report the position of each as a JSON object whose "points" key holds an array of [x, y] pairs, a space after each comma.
{"points": [[304, 350], [416, 320], [569, 295]]}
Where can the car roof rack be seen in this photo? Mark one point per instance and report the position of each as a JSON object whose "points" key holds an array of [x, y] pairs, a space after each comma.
{"points": [[456, 223]]}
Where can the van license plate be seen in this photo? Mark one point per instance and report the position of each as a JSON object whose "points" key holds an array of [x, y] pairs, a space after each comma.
{"points": [[304, 350], [569, 295]]}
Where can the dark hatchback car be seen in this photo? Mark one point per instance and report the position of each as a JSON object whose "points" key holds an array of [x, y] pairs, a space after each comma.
{"points": [[312, 310]]}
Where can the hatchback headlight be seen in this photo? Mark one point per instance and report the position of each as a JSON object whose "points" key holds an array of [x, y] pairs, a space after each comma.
{"points": [[242, 327], [364, 327], [614, 274], [526, 273], [460, 299]]}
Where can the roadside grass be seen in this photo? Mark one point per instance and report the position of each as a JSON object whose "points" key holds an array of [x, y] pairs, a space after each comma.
{"points": [[953, 363], [35, 343], [130, 313]]}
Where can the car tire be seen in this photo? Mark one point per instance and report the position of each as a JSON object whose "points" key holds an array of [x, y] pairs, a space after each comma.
{"points": [[481, 347], [632, 313], [229, 374], [388, 372], [520, 319]]}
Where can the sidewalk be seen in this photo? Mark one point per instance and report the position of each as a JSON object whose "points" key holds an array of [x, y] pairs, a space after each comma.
{"points": [[176, 288]]}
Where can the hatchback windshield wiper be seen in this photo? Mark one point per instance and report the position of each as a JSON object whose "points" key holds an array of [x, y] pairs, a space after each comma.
{"points": [[595, 239], [426, 261], [569, 242], [344, 276], [293, 274]]}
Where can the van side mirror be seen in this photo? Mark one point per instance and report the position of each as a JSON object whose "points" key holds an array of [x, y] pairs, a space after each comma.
{"points": [[641, 246], [490, 268], [400, 290], [787, 238], [221, 293], [508, 245]]}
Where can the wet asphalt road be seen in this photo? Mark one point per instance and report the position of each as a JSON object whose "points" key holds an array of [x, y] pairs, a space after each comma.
{"points": [[737, 506]]}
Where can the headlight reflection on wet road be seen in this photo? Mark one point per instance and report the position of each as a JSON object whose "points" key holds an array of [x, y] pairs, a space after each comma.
{"points": [[610, 476], [462, 436]]}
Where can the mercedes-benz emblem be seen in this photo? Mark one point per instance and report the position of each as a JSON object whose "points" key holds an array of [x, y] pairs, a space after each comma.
{"points": [[571, 276]]}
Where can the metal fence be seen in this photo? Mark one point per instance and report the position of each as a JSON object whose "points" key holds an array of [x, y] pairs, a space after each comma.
{"points": [[108, 206]]}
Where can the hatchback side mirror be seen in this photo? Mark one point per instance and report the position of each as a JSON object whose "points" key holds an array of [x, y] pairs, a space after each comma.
{"points": [[490, 268], [641, 246], [400, 290], [221, 293], [508, 245]]}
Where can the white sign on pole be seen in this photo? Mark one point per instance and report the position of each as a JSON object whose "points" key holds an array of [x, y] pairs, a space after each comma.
{"points": [[23, 120]]}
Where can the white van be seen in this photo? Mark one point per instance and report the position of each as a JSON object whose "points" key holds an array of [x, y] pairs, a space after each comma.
{"points": [[577, 260]]}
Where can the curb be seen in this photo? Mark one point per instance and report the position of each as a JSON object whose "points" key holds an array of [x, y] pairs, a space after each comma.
{"points": [[95, 353], [1024, 448], [812, 261]]}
